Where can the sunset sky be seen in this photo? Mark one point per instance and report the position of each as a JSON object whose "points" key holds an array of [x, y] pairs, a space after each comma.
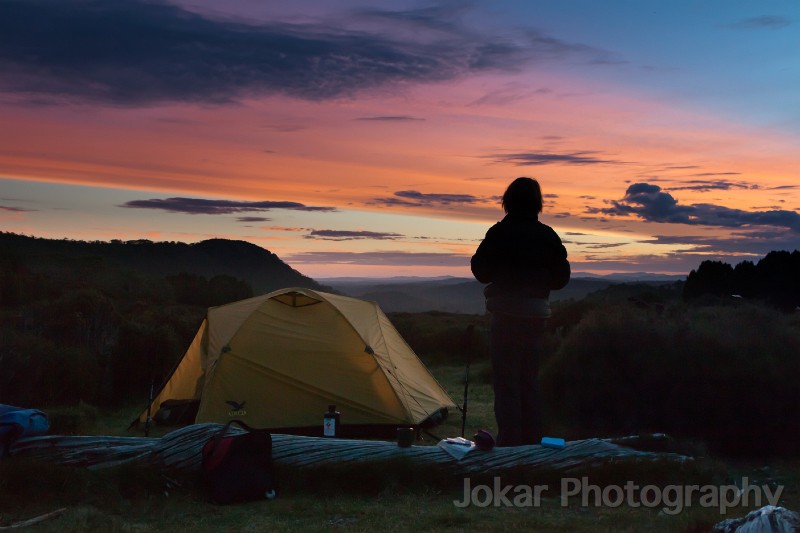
{"points": [[356, 138]]}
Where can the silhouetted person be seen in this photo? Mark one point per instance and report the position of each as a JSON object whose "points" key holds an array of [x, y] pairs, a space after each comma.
{"points": [[522, 260]]}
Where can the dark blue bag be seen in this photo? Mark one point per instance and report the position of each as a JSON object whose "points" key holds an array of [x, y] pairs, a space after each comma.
{"points": [[16, 423]]}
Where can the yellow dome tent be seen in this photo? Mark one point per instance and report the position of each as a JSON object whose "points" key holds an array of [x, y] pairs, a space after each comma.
{"points": [[279, 360]]}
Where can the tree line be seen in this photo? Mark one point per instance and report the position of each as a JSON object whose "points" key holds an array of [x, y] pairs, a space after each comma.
{"points": [[774, 279], [101, 321]]}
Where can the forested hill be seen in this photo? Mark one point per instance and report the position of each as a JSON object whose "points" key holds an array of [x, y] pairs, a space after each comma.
{"points": [[260, 268]]}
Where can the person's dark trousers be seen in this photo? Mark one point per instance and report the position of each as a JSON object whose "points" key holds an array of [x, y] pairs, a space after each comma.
{"points": [[517, 345]]}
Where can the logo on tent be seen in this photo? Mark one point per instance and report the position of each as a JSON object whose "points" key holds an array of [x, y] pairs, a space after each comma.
{"points": [[237, 408]]}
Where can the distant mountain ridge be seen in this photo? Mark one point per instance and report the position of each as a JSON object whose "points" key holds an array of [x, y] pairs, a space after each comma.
{"points": [[262, 269], [453, 295]]}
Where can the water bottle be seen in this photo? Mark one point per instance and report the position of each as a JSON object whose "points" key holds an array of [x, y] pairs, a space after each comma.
{"points": [[330, 422]]}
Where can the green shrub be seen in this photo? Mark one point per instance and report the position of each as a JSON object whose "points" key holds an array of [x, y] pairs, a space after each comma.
{"points": [[38, 372], [75, 420], [146, 352], [441, 338], [725, 375]]}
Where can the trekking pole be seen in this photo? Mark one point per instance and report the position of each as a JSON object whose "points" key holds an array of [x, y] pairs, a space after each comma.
{"points": [[149, 403], [467, 347]]}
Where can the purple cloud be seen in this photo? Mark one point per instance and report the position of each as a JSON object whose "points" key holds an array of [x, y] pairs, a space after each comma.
{"points": [[142, 52], [200, 206], [650, 203], [396, 258], [419, 199], [548, 158], [341, 235]]}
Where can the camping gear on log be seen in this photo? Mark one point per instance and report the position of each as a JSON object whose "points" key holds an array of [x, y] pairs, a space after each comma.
{"points": [[405, 437], [278, 360], [484, 440], [237, 467], [553, 442], [330, 422], [179, 451]]}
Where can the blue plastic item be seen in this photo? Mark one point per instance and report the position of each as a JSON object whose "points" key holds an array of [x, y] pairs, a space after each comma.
{"points": [[553, 442]]}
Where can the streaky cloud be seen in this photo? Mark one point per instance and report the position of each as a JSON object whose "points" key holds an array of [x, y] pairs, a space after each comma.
{"points": [[509, 94], [284, 228], [440, 18], [708, 174], [521, 159], [343, 235], [391, 118], [391, 258], [201, 206], [412, 198], [753, 242], [602, 245], [15, 209], [765, 22], [253, 219], [525, 45], [145, 52], [709, 185]]}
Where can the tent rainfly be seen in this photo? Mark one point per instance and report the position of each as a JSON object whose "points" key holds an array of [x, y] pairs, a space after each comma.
{"points": [[279, 360]]}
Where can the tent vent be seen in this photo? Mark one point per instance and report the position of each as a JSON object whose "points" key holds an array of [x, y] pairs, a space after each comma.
{"points": [[296, 299]]}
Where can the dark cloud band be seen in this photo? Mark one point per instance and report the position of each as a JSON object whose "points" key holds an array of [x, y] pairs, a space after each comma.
{"points": [[391, 118], [543, 158], [419, 199], [138, 52], [341, 235], [650, 203], [200, 206], [15, 209], [389, 258]]}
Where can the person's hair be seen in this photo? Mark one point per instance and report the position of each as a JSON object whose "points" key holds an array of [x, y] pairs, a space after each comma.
{"points": [[523, 196]]}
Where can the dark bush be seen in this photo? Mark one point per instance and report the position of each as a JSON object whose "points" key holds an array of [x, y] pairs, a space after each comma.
{"points": [[441, 338], [145, 354], [725, 375], [36, 372]]}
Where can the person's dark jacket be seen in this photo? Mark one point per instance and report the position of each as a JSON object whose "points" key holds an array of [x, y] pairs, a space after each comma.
{"points": [[522, 260]]}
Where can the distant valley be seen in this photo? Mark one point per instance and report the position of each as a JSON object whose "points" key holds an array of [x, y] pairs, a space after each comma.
{"points": [[461, 295], [116, 263]]}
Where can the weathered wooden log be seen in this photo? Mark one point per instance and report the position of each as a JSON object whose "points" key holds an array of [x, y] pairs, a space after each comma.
{"points": [[90, 451], [179, 451]]}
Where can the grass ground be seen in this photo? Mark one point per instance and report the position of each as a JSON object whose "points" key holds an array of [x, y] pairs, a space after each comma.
{"points": [[385, 498]]}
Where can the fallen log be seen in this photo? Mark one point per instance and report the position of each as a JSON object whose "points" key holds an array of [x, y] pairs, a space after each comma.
{"points": [[179, 452]]}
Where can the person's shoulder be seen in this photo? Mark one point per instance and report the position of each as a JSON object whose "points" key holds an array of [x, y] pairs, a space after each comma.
{"points": [[540, 226], [497, 227], [545, 227], [549, 231]]}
